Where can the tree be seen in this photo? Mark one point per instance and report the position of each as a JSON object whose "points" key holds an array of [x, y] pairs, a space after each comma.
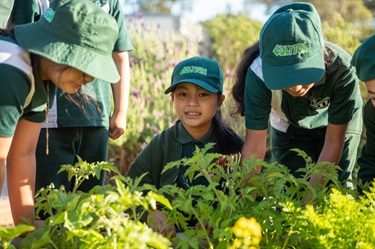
{"points": [[356, 12], [156, 6]]}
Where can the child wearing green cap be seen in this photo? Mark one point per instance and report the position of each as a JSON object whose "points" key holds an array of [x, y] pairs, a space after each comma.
{"points": [[305, 89], [364, 62], [197, 94], [34, 58]]}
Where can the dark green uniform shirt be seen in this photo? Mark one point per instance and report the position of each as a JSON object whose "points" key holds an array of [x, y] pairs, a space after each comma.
{"points": [[171, 145], [366, 161], [334, 99], [17, 84]]}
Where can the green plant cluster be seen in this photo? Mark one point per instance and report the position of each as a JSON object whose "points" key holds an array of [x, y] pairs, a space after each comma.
{"points": [[276, 200], [105, 217], [272, 210]]}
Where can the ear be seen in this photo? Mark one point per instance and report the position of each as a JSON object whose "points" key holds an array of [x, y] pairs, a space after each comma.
{"points": [[221, 100]]}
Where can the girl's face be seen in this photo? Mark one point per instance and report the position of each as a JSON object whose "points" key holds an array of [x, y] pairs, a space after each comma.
{"points": [[195, 107], [299, 90], [67, 78], [370, 85]]}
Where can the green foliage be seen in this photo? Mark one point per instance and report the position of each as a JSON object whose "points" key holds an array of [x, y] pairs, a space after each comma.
{"points": [[230, 35], [8, 234], [268, 211], [106, 217], [274, 198], [343, 33]]}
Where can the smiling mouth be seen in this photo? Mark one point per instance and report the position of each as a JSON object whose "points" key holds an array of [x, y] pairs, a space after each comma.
{"points": [[192, 113], [77, 85]]}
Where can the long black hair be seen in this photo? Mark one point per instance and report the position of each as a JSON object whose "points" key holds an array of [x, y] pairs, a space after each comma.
{"points": [[238, 90], [224, 137]]}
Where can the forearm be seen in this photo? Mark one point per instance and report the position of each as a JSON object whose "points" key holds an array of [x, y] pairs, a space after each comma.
{"points": [[21, 184], [332, 148], [331, 152], [253, 152], [255, 146], [21, 167], [121, 89]]}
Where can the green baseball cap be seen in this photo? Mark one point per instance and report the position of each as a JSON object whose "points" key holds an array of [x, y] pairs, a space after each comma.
{"points": [[291, 47], [200, 71], [76, 33], [364, 60]]}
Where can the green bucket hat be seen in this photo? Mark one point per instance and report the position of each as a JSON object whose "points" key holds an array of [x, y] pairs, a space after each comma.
{"points": [[76, 33], [364, 60], [200, 71], [291, 47]]}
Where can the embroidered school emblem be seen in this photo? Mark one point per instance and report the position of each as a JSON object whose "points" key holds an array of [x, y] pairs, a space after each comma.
{"points": [[319, 103], [49, 14], [287, 50]]}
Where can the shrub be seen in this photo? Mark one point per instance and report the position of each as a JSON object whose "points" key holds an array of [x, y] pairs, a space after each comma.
{"points": [[269, 212]]}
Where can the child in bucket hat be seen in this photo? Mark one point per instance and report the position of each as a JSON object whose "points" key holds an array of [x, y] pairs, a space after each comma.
{"points": [[197, 93], [364, 62], [69, 46], [86, 117], [305, 89]]}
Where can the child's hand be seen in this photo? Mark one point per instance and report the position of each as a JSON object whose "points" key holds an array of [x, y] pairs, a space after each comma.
{"points": [[223, 160], [157, 222]]}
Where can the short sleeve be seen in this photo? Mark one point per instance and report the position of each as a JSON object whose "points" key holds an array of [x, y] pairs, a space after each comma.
{"points": [[14, 88], [257, 102]]}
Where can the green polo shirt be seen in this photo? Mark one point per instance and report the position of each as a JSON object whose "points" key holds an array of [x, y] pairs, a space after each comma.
{"points": [[171, 145], [188, 147], [334, 99], [366, 160], [16, 80]]}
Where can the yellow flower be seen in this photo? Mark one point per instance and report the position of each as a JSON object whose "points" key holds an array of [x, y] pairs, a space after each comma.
{"points": [[248, 232]]}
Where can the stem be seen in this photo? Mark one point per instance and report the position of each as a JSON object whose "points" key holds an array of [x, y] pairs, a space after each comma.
{"points": [[287, 238], [203, 228]]}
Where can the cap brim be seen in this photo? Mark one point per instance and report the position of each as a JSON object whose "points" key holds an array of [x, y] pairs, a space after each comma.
{"points": [[199, 83], [34, 39], [281, 77]]}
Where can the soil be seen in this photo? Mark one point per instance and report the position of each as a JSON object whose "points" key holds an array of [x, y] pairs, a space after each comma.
{"points": [[6, 219]]}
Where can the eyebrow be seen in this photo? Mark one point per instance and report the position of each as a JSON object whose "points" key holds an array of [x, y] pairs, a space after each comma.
{"points": [[370, 92]]}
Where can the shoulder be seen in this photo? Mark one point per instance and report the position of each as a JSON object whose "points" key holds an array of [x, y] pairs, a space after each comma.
{"points": [[13, 55], [338, 55], [166, 137]]}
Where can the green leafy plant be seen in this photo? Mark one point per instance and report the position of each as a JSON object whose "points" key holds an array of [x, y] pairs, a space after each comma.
{"points": [[268, 211], [274, 198], [105, 217], [7, 235]]}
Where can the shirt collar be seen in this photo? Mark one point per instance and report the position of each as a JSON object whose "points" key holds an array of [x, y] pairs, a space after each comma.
{"points": [[184, 137]]}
